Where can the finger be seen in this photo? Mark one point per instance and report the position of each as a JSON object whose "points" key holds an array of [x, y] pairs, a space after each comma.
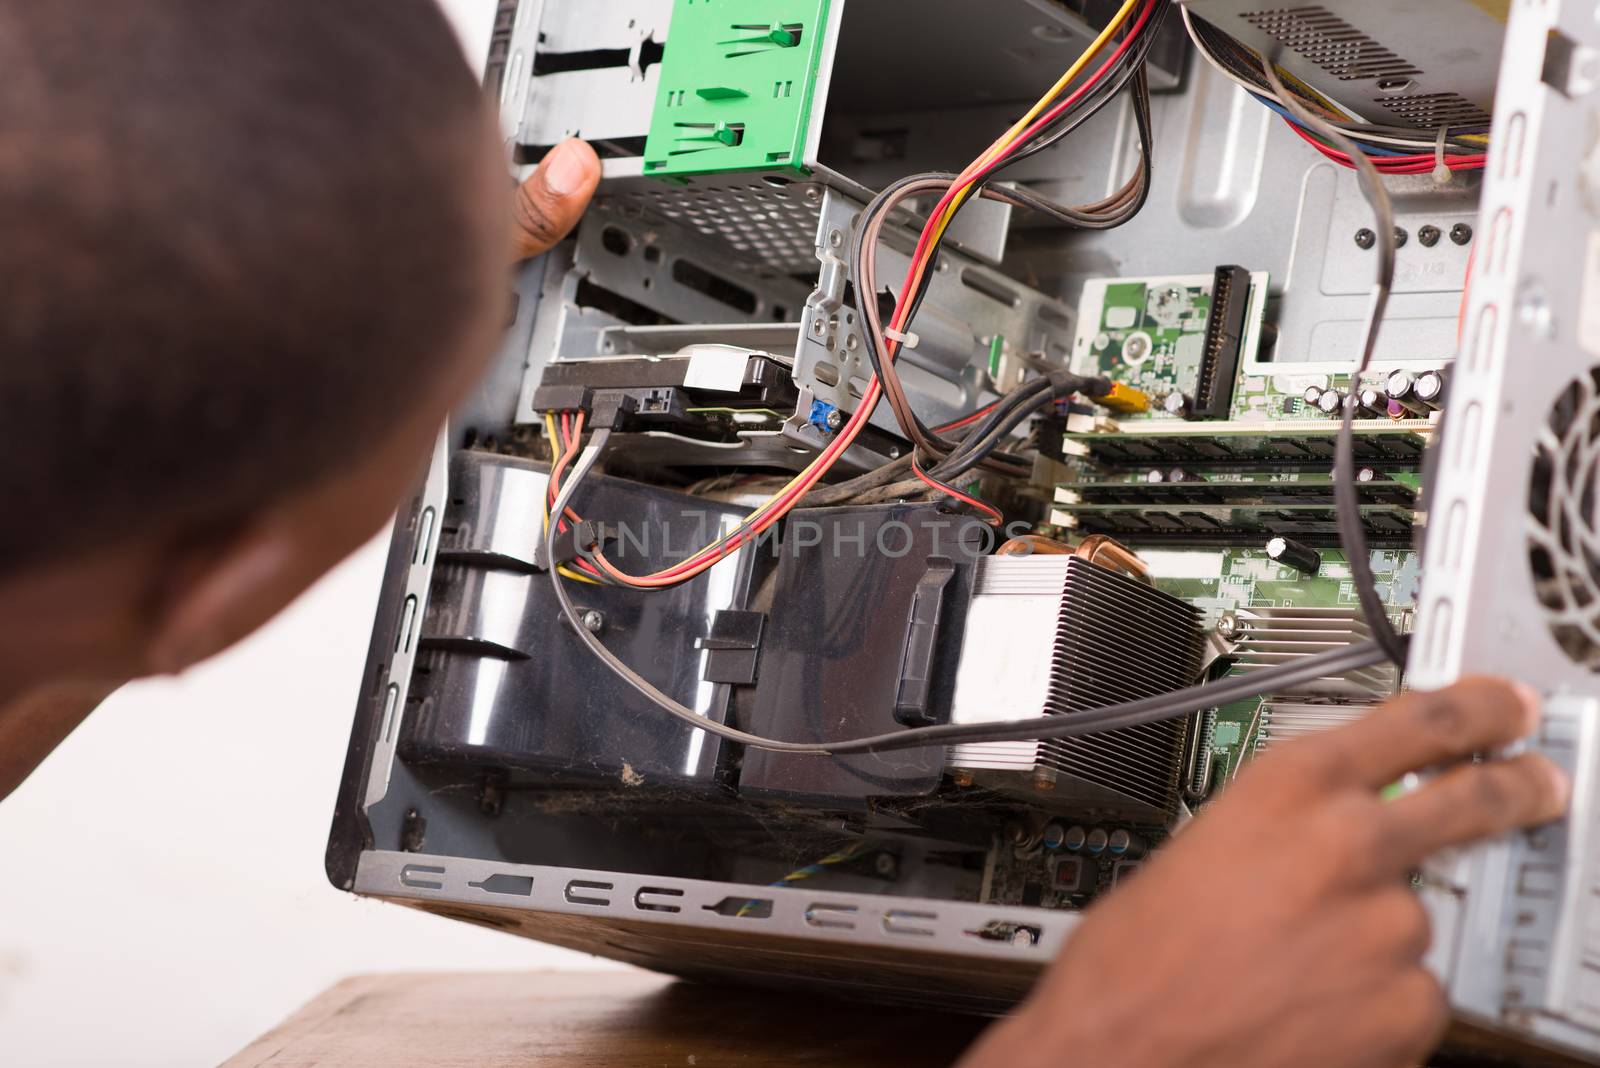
{"points": [[553, 198], [1395, 915], [1413, 1019], [1469, 803], [1424, 730]]}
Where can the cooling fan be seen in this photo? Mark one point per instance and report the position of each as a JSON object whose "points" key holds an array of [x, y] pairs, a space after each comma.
{"points": [[1563, 538]]}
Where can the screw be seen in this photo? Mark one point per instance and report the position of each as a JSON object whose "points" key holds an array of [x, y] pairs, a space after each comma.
{"points": [[593, 621], [1365, 238], [1230, 626], [835, 238], [1533, 310], [835, 420], [884, 864], [1429, 236], [819, 327], [1401, 237], [1461, 233]]}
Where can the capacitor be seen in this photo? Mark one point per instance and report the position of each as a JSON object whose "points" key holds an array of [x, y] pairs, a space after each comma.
{"points": [[1124, 844], [1155, 477], [1179, 476], [1403, 391], [1175, 404], [1054, 835], [1074, 839], [1430, 388], [1313, 396], [1331, 402], [1097, 842], [1371, 403], [1302, 558]]}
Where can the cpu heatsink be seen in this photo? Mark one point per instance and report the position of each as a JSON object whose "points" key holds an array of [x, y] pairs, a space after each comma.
{"points": [[1274, 636], [1055, 635]]}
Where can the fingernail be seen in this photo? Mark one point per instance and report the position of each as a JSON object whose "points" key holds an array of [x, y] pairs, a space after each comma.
{"points": [[1532, 706], [565, 169]]}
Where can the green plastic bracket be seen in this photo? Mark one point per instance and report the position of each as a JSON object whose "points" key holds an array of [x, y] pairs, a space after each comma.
{"points": [[738, 81]]}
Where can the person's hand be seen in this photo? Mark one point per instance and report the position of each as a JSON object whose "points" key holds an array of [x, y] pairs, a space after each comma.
{"points": [[1279, 928], [553, 198]]}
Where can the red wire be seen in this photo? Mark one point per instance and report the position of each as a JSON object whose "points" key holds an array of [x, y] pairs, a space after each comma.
{"points": [[1419, 164], [950, 491], [561, 465], [967, 421], [1050, 116]]}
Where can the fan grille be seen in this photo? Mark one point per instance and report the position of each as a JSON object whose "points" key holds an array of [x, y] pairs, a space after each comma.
{"points": [[1563, 539]]}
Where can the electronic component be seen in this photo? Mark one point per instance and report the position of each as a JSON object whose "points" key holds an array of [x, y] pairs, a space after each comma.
{"points": [[1302, 558], [1124, 400], [1181, 338], [1372, 403], [1051, 635], [1284, 721], [1430, 389], [1402, 390], [1224, 343], [1273, 635]]}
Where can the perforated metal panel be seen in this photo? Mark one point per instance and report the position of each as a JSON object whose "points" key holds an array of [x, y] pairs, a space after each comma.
{"points": [[775, 225], [1319, 36], [1416, 63]]}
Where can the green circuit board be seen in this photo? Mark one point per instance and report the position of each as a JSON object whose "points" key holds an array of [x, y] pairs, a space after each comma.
{"points": [[1226, 581], [1151, 333]]}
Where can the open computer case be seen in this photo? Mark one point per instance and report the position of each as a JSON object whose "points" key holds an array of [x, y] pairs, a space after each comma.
{"points": [[500, 774]]}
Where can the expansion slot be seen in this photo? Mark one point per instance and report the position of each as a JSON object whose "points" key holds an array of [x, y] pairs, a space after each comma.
{"points": [[1287, 444]]}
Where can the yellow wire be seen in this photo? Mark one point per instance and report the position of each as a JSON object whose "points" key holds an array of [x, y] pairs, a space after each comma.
{"points": [[1045, 101], [544, 509]]}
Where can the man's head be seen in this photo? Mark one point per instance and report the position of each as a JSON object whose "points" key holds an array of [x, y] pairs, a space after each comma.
{"points": [[252, 253]]}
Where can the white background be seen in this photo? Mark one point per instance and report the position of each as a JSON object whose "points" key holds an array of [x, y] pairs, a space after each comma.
{"points": [[162, 900]]}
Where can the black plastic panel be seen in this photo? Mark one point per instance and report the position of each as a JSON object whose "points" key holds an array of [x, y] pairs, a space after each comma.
{"points": [[836, 645], [503, 681]]}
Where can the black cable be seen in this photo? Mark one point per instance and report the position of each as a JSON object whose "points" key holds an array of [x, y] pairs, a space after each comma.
{"points": [[982, 442], [1347, 500], [1113, 717]]}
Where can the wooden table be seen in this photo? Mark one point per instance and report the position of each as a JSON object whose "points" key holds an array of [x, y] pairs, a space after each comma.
{"points": [[582, 1020], [610, 1019]]}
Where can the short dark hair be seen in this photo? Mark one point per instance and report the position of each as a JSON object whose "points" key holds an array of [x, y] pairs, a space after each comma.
{"points": [[235, 237]]}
